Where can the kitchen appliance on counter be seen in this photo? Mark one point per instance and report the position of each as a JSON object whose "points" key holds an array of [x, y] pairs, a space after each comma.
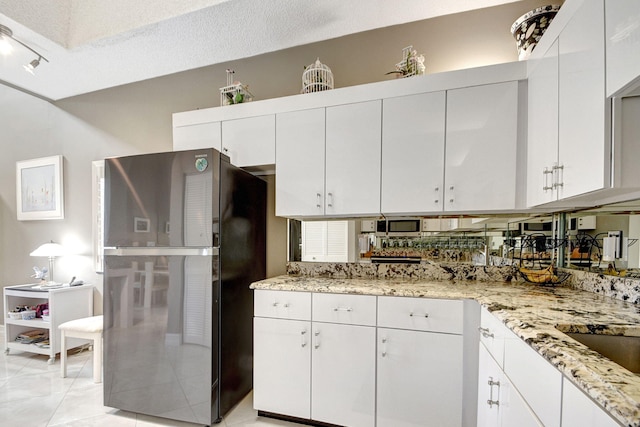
{"points": [[184, 238], [399, 227]]}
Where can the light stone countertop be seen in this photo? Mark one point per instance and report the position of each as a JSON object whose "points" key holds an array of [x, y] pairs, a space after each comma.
{"points": [[532, 312]]}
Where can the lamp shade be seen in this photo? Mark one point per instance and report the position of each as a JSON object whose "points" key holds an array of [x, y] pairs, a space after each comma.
{"points": [[49, 250]]}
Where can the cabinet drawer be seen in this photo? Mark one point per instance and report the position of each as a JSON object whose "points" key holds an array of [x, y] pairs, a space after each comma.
{"points": [[421, 314], [282, 304], [348, 309], [492, 335]]}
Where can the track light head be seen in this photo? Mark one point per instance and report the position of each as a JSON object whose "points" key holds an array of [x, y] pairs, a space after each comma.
{"points": [[31, 66]]}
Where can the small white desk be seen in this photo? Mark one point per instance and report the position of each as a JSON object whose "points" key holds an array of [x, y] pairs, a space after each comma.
{"points": [[65, 303]]}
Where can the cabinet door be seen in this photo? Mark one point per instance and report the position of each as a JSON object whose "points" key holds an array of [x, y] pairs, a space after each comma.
{"points": [[580, 411], [489, 377], [542, 141], [539, 383], [583, 139], [201, 135], [412, 153], [419, 379], [499, 403], [482, 125], [282, 366], [623, 43], [300, 163], [352, 170], [343, 374], [250, 141]]}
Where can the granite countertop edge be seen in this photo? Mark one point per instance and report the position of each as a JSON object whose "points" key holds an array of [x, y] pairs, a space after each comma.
{"points": [[532, 313]]}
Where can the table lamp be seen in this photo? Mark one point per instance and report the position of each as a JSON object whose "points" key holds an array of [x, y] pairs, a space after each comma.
{"points": [[50, 250]]}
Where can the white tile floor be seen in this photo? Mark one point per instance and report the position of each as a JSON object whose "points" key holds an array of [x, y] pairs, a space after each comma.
{"points": [[32, 394]]}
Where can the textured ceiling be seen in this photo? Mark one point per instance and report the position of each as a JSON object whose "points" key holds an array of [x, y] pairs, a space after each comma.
{"points": [[97, 44]]}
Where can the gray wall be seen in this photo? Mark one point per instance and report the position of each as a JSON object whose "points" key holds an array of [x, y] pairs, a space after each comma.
{"points": [[136, 118]]}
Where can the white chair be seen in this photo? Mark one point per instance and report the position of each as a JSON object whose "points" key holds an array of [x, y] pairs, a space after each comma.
{"points": [[89, 328]]}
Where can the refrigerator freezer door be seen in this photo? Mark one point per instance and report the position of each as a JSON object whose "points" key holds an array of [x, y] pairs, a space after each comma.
{"points": [[163, 200]]}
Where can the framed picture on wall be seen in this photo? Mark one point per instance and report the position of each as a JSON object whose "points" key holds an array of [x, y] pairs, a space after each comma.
{"points": [[39, 189], [141, 225]]}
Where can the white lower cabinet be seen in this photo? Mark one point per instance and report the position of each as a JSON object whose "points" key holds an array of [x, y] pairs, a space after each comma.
{"points": [[419, 379], [322, 370], [539, 383], [499, 403], [343, 374], [282, 366], [282, 352], [580, 411], [419, 362]]}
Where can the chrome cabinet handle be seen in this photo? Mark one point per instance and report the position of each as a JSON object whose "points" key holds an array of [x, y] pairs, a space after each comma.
{"points": [[342, 309], [486, 332], [558, 172], [318, 200], [285, 305], [384, 347], [330, 200], [317, 344], [491, 401], [414, 315], [302, 337], [546, 172]]}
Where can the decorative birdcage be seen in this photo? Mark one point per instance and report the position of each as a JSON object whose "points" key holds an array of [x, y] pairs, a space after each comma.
{"points": [[316, 77], [234, 92], [412, 64]]}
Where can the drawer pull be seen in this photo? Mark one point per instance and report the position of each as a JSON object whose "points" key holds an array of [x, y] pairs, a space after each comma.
{"points": [[490, 401], [285, 305], [486, 333], [414, 315], [343, 309]]}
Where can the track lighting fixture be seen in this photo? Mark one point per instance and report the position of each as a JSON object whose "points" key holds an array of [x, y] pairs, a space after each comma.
{"points": [[31, 66], [6, 47]]}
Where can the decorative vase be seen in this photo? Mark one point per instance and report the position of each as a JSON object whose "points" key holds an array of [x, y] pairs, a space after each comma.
{"points": [[529, 28]]}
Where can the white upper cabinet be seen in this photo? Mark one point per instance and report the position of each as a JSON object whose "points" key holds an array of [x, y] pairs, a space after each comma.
{"points": [[584, 143], [623, 43], [569, 129], [352, 156], [250, 141], [196, 136], [413, 153], [542, 141], [481, 148], [300, 163]]}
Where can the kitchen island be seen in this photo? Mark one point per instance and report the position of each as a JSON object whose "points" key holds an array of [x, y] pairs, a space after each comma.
{"points": [[536, 314]]}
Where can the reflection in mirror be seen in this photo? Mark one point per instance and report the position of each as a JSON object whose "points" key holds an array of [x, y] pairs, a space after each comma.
{"points": [[602, 240]]}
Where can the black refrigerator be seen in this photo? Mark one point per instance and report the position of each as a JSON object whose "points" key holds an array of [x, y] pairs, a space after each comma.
{"points": [[184, 238]]}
